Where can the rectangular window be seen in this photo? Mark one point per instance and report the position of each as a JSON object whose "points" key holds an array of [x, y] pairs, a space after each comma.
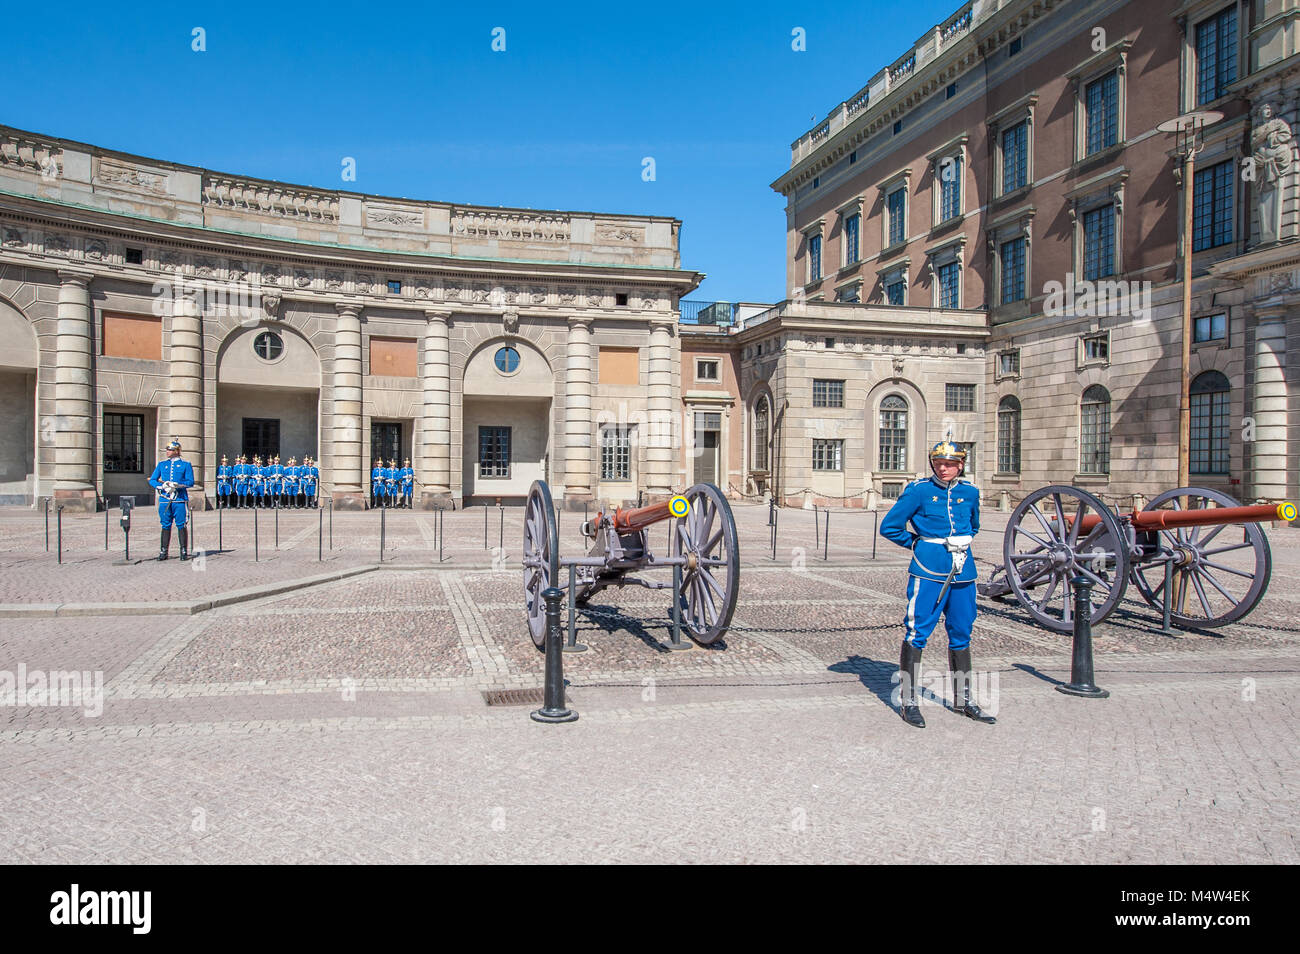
{"points": [[1209, 433], [893, 438], [1096, 348], [706, 370], [261, 437], [949, 285], [894, 292], [949, 188], [828, 455], [852, 226], [828, 393], [615, 453], [394, 288], [1094, 446], [1015, 157], [123, 443], [814, 258], [958, 397], [1101, 100], [1012, 261], [1212, 207], [1216, 55], [1210, 328], [1009, 440], [135, 256], [891, 490], [494, 451], [896, 208], [1009, 362], [386, 440], [1099, 243]]}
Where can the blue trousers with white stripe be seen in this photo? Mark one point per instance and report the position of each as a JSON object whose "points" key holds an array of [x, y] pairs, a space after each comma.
{"points": [[957, 609]]}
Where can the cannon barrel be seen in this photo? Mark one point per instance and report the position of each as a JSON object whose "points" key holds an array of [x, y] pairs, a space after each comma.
{"points": [[636, 518], [1199, 517]]}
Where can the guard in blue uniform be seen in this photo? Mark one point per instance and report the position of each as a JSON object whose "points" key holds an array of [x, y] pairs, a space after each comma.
{"points": [[406, 476], [309, 475], [390, 483], [242, 486], [944, 511], [172, 478], [224, 485], [275, 481], [290, 483], [377, 483], [256, 481]]}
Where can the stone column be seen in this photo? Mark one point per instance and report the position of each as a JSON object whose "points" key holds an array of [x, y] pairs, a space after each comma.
{"points": [[73, 427], [345, 415], [186, 388], [1270, 405], [435, 460], [577, 416], [664, 422]]}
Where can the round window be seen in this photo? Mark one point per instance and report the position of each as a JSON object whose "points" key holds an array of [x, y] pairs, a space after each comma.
{"points": [[507, 360], [268, 346]]}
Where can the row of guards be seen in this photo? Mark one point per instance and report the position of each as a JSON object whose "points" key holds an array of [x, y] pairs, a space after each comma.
{"points": [[392, 486], [267, 485]]}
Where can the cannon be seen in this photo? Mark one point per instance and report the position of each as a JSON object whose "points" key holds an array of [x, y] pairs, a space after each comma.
{"points": [[1060, 532], [702, 542]]}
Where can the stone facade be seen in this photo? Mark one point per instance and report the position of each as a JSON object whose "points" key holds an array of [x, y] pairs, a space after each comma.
{"points": [[997, 100], [174, 301]]}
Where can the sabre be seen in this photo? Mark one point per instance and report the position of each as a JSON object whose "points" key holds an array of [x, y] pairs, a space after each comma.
{"points": [[958, 561]]}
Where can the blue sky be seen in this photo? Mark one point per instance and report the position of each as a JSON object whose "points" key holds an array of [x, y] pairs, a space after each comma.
{"points": [[560, 120]]}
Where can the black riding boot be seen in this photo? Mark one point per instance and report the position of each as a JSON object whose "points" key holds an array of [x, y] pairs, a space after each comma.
{"points": [[909, 677], [184, 534], [959, 662], [165, 544]]}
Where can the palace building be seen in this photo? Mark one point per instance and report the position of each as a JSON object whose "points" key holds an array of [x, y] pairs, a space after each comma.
{"points": [[986, 240], [141, 299]]}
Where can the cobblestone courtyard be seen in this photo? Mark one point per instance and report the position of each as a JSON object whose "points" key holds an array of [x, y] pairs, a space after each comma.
{"points": [[315, 705]]}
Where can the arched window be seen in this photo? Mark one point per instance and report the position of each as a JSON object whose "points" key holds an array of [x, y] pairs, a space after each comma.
{"points": [[893, 433], [762, 416], [1209, 437], [1009, 435], [1094, 440]]}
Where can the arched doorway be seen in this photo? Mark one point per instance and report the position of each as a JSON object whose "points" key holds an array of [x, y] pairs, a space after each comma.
{"points": [[506, 421], [268, 394], [19, 360]]}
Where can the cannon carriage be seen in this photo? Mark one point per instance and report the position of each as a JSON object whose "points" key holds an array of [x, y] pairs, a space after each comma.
{"points": [[1194, 553], [702, 553]]}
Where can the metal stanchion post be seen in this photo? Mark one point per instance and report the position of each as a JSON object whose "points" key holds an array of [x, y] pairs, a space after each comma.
{"points": [[817, 529], [105, 524], [383, 527], [1081, 672], [501, 534], [485, 526], [220, 517], [1167, 612], [59, 518], [676, 641], [331, 524], [573, 646], [826, 543], [320, 536], [875, 524], [254, 534], [440, 534], [775, 518], [553, 709], [277, 527], [47, 524]]}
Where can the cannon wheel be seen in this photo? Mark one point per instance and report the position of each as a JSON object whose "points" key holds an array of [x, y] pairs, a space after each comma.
{"points": [[1045, 548], [541, 557], [1222, 580], [708, 594]]}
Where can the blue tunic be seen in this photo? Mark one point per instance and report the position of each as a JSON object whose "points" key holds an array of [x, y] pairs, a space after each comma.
{"points": [[224, 473], [935, 512], [177, 471]]}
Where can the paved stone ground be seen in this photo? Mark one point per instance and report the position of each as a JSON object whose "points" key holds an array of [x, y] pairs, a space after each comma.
{"points": [[345, 721]]}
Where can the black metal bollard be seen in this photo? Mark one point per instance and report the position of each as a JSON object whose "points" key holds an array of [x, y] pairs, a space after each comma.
{"points": [[817, 529], [1166, 613], [501, 534], [676, 614], [47, 524], [105, 524], [220, 513], [771, 510], [1081, 674], [485, 526], [277, 528], [826, 542], [383, 529], [440, 534], [254, 534], [331, 524], [553, 709], [59, 518], [775, 518], [875, 523], [320, 536]]}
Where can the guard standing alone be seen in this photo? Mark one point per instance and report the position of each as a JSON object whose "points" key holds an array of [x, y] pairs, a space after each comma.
{"points": [[171, 478], [944, 510]]}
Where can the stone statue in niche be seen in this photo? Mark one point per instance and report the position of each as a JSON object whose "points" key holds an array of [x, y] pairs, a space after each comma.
{"points": [[1272, 147]]}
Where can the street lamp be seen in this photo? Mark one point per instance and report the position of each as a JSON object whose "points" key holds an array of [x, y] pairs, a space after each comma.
{"points": [[1188, 128]]}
